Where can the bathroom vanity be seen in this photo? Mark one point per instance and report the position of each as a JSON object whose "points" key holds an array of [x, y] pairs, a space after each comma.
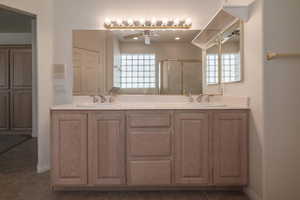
{"points": [[132, 147]]}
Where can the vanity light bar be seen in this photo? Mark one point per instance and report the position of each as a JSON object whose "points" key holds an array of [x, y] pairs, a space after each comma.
{"points": [[151, 24]]}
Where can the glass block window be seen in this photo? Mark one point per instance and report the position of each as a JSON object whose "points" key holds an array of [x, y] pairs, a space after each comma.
{"points": [[231, 69], [138, 71], [212, 76]]}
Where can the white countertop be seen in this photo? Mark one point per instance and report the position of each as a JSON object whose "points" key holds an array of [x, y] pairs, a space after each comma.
{"points": [[156, 102], [148, 106]]}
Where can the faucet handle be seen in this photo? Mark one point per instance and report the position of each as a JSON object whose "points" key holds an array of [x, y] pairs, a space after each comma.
{"points": [[94, 97]]}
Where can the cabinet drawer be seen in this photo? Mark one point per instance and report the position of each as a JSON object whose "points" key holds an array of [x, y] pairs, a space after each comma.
{"points": [[143, 143], [149, 172], [149, 119]]}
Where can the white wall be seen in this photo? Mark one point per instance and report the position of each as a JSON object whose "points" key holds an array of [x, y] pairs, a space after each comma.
{"points": [[43, 10], [282, 100], [252, 86]]}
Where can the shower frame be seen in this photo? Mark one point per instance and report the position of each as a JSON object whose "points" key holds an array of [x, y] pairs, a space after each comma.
{"points": [[181, 61]]}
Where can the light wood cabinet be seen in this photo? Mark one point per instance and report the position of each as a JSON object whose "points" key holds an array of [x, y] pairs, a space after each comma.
{"points": [[107, 148], [149, 148], [230, 147], [192, 143], [69, 148], [130, 149]]}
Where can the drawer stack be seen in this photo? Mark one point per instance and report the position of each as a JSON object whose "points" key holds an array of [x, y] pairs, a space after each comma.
{"points": [[149, 148]]}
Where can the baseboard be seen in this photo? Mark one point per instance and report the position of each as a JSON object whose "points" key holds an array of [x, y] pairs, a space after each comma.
{"points": [[252, 194], [42, 169]]}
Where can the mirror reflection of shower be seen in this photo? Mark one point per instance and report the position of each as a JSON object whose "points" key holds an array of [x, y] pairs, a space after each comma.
{"points": [[180, 76]]}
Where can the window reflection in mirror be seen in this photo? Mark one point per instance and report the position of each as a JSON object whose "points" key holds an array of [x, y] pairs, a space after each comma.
{"points": [[212, 64], [231, 55], [223, 57]]}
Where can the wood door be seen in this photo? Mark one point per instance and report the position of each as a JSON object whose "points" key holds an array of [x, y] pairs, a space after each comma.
{"points": [[230, 147], [4, 110], [89, 76], [4, 68], [192, 148], [21, 68], [21, 110], [69, 148], [107, 148]]}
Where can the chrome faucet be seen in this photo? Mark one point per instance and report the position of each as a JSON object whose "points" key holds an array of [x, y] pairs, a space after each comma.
{"points": [[202, 96], [199, 98], [102, 98], [112, 93], [95, 98], [190, 96]]}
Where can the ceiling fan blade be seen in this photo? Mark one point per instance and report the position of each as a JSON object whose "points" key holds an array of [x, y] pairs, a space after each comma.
{"points": [[129, 37]]}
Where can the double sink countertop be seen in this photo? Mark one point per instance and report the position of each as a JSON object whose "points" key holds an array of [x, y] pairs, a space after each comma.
{"points": [[147, 102]]}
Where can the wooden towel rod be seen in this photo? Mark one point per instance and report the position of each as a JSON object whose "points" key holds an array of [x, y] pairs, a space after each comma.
{"points": [[271, 55]]}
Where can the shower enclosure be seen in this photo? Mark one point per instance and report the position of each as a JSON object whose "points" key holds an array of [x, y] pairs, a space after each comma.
{"points": [[180, 76]]}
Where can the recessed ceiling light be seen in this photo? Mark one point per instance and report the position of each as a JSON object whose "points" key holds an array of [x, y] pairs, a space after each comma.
{"points": [[135, 38], [177, 38]]}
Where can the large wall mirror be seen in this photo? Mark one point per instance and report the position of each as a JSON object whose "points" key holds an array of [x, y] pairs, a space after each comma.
{"points": [[137, 62], [224, 57]]}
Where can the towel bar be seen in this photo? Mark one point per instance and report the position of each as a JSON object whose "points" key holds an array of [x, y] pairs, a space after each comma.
{"points": [[271, 55]]}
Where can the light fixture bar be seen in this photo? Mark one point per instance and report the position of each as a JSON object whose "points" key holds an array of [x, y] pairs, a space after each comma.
{"points": [[147, 27], [143, 24]]}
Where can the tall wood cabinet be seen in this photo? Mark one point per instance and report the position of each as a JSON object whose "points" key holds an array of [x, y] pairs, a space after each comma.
{"points": [[15, 89]]}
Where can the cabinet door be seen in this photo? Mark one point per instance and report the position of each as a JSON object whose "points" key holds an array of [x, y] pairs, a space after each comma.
{"points": [[21, 115], [21, 66], [4, 69], [230, 148], [192, 148], [4, 110], [107, 148], [69, 148]]}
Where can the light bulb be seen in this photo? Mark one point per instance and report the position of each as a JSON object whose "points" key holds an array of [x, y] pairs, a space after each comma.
{"points": [[153, 21], [188, 21], [176, 22], [142, 21], [119, 22], [165, 21], [130, 21], [107, 21]]}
